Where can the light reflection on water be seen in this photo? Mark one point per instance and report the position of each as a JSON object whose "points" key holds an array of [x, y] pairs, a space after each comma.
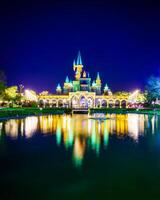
{"points": [[79, 132]]}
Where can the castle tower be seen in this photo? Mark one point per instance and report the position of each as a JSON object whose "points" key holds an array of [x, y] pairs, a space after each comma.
{"points": [[94, 86], [58, 89], [98, 80], [68, 86], [98, 84], [67, 79], [78, 66], [106, 89]]}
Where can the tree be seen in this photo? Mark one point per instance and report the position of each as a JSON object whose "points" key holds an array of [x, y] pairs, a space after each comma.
{"points": [[30, 95], [153, 88], [30, 98], [122, 94], [10, 93], [2, 84], [44, 93], [141, 97]]}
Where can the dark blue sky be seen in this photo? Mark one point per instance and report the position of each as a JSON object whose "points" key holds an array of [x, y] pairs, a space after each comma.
{"points": [[39, 41]]}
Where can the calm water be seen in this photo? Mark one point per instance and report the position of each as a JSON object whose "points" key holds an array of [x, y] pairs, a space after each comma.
{"points": [[73, 157]]}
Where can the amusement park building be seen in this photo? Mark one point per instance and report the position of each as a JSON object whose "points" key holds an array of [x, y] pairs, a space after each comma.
{"points": [[83, 92]]}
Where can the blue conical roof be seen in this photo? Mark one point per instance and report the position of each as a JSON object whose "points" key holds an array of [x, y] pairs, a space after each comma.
{"points": [[58, 86], [106, 87], [79, 59], [93, 83], [98, 76], [67, 79]]}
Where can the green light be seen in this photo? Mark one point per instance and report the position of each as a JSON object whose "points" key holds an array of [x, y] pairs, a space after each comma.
{"points": [[58, 134], [106, 135], [71, 137], [77, 161], [93, 136]]}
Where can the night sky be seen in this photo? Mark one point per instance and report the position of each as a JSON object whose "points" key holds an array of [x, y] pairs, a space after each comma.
{"points": [[39, 41]]}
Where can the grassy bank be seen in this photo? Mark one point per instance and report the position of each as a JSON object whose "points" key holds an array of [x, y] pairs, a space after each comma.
{"points": [[125, 110], [19, 112]]}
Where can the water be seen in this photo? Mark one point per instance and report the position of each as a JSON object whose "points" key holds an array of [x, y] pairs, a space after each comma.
{"points": [[73, 157]]}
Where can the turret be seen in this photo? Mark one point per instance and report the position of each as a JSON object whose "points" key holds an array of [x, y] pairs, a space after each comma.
{"points": [[79, 59], [67, 79], [106, 88], [68, 86], [58, 89], [109, 92], [74, 65], [77, 66], [94, 86], [98, 80], [98, 83]]}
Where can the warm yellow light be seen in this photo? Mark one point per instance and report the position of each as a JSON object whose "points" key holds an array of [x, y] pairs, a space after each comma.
{"points": [[133, 96], [30, 95]]}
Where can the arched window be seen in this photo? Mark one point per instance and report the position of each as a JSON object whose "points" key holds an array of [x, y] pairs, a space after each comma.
{"points": [[110, 104], [83, 102], [60, 103], [74, 102], [47, 103], [123, 104], [41, 103], [117, 104], [104, 103], [54, 103], [98, 103], [90, 102]]}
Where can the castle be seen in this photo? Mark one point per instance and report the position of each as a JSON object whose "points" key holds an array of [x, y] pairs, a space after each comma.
{"points": [[82, 92], [82, 81]]}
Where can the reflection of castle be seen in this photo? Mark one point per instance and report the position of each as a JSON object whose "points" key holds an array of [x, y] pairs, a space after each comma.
{"points": [[83, 92], [80, 133]]}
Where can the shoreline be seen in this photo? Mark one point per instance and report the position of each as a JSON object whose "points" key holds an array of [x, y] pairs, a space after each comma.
{"points": [[148, 111], [19, 113], [24, 116]]}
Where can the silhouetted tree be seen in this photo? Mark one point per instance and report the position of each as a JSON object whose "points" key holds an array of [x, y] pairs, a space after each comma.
{"points": [[2, 83], [153, 88]]}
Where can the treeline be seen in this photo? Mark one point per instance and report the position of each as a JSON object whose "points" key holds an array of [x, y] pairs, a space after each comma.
{"points": [[11, 94]]}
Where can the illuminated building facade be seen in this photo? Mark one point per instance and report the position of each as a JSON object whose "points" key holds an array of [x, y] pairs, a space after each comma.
{"points": [[82, 92]]}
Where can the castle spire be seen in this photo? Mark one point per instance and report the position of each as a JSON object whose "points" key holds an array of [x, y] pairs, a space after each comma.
{"points": [[98, 76], [98, 80], [79, 59], [74, 63], [58, 89], [67, 79]]}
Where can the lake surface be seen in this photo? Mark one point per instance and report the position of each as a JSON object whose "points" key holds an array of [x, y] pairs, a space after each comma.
{"points": [[74, 157]]}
